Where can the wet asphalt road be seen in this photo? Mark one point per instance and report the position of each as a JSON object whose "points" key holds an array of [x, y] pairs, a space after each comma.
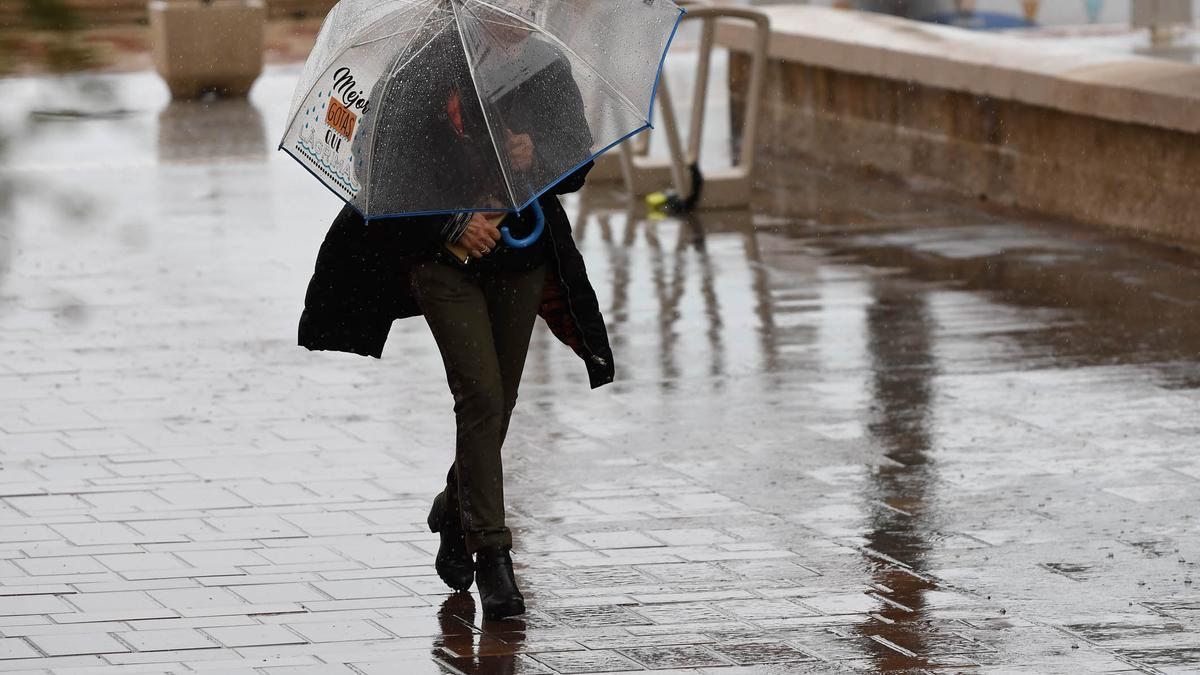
{"points": [[856, 428]]}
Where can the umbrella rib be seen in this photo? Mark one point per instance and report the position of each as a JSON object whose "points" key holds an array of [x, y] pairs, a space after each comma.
{"points": [[539, 30], [400, 66], [483, 108], [389, 36], [408, 6], [332, 61], [383, 95]]}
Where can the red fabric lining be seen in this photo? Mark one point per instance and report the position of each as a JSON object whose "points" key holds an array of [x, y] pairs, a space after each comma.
{"points": [[557, 313], [454, 110]]}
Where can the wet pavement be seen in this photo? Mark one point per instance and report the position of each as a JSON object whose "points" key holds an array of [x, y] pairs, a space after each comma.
{"points": [[859, 428]]}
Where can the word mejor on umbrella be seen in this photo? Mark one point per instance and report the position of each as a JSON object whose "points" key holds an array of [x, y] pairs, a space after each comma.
{"points": [[345, 106], [412, 107]]}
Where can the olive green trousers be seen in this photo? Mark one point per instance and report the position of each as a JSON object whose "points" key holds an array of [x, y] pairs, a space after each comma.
{"points": [[482, 319]]}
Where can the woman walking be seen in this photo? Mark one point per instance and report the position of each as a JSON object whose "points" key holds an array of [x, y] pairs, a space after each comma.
{"points": [[481, 312]]}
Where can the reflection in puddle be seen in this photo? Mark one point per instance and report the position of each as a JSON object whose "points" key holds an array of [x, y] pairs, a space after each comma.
{"points": [[695, 283], [197, 140], [491, 648], [219, 129], [900, 343], [7, 222]]}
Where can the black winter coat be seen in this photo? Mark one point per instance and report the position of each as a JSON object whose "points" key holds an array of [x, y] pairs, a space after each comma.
{"points": [[361, 284]]}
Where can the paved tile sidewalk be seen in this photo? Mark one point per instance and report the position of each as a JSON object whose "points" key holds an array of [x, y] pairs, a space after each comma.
{"points": [[858, 430]]}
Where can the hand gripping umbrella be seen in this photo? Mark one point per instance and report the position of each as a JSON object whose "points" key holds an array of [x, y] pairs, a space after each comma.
{"points": [[413, 107]]}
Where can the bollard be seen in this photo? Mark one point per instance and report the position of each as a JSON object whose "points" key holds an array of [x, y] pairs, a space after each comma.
{"points": [[1162, 17], [203, 46]]}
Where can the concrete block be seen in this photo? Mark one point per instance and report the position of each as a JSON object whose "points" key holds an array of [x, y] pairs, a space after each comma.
{"points": [[201, 47]]}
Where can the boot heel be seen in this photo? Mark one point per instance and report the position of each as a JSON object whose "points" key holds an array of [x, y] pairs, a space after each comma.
{"points": [[453, 563], [435, 514]]}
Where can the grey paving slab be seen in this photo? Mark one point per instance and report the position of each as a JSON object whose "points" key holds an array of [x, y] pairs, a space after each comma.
{"points": [[26, 605], [113, 601], [255, 635], [71, 644], [167, 640], [59, 565], [16, 648], [339, 631]]}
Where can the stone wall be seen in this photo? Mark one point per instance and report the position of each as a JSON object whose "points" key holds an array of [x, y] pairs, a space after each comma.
{"points": [[1139, 177]]}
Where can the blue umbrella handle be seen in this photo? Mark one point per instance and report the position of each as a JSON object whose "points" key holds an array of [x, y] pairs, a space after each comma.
{"points": [[533, 236]]}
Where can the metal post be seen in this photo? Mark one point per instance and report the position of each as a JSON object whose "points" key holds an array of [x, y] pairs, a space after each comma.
{"points": [[630, 170], [1162, 17], [724, 187]]}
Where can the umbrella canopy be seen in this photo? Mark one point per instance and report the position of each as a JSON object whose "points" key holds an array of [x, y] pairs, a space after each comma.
{"points": [[440, 106]]}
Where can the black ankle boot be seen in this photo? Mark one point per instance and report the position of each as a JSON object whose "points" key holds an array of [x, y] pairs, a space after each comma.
{"points": [[496, 583], [453, 562]]}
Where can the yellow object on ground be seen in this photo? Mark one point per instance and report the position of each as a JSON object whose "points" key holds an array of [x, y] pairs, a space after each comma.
{"points": [[656, 200], [656, 203]]}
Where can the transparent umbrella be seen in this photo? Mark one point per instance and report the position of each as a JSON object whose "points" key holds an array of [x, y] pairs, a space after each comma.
{"points": [[410, 107]]}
